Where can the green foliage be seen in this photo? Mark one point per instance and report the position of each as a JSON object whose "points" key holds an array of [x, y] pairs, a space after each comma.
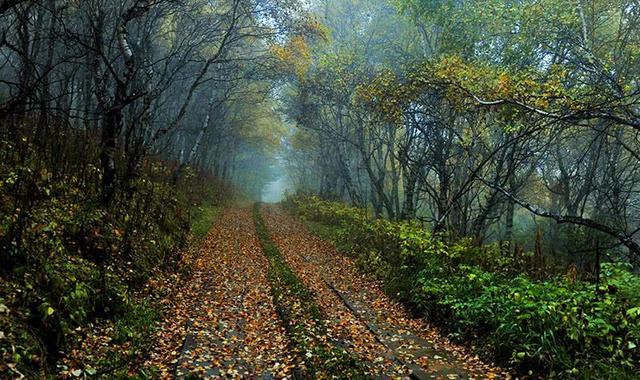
{"points": [[552, 325], [558, 326], [136, 324], [202, 220]]}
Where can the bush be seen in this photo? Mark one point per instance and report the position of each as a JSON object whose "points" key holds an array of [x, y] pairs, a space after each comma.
{"points": [[555, 326]]}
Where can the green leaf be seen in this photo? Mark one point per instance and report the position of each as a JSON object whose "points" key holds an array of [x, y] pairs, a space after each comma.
{"points": [[631, 345], [50, 311], [90, 371]]}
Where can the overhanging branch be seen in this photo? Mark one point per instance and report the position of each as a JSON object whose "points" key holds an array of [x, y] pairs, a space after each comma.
{"points": [[624, 239]]}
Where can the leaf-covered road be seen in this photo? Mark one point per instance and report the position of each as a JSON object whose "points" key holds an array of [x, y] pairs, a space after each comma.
{"points": [[375, 327], [229, 327], [232, 327]]}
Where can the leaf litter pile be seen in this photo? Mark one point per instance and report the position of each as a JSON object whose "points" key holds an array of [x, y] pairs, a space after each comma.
{"points": [[268, 299]]}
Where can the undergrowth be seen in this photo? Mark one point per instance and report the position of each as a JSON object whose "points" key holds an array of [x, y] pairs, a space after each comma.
{"points": [[75, 298]]}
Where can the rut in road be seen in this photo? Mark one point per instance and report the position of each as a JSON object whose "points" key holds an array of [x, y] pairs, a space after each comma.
{"points": [[377, 329]]}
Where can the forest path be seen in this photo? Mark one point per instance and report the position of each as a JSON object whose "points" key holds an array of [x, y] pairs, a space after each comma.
{"points": [[232, 329], [224, 323], [378, 330]]}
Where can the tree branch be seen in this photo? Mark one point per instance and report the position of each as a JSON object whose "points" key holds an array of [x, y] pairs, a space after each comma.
{"points": [[624, 239]]}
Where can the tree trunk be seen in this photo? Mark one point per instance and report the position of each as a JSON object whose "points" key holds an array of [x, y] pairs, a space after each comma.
{"points": [[111, 128], [408, 206], [508, 227]]}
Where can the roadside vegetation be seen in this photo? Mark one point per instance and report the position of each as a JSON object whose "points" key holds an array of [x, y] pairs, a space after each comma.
{"points": [[545, 324], [203, 218], [75, 297]]}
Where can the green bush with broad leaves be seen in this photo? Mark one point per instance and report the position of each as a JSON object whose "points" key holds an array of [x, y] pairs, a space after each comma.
{"points": [[552, 327]]}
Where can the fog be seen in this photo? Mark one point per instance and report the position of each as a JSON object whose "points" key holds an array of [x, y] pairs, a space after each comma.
{"points": [[275, 191]]}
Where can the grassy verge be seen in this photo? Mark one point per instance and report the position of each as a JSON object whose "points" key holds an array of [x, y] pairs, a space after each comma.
{"points": [[202, 220], [302, 318]]}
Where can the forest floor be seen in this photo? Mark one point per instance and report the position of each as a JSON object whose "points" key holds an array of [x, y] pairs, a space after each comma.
{"points": [[224, 321]]}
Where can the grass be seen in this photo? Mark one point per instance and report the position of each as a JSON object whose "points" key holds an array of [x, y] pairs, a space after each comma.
{"points": [[202, 220]]}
